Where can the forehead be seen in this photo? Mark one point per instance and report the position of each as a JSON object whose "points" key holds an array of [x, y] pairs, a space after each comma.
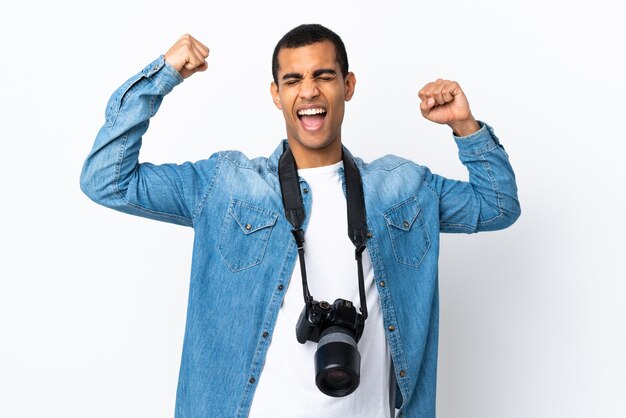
{"points": [[307, 58]]}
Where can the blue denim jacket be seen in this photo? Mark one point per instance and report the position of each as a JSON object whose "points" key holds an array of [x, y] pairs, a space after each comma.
{"points": [[244, 252]]}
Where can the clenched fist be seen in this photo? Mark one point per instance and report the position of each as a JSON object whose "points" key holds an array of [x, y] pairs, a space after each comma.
{"points": [[188, 56], [444, 102]]}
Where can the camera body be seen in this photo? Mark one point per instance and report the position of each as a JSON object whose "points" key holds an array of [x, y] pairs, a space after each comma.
{"points": [[319, 316], [336, 328]]}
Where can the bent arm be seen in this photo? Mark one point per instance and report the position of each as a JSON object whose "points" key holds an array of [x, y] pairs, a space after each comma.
{"points": [[489, 200], [112, 175]]}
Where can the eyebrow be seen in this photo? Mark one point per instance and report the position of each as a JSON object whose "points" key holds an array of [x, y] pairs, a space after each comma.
{"points": [[316, 73], [323, 71]]}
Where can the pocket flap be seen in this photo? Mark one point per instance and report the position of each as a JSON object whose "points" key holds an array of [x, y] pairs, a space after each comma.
{"points": [[403, 215], [251, 218]]}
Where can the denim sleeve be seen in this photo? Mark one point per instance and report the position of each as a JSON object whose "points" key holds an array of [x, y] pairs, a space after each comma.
{"points": [[489, 200], [112, 175]]}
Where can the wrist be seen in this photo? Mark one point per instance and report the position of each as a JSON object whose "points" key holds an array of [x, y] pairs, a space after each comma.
{"points": [[465, 127]]}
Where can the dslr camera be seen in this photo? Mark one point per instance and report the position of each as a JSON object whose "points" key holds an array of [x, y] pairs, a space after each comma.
{"points": [[336, 328]]}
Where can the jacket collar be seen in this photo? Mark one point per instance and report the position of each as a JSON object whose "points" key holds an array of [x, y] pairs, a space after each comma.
{"points": [[272, 161]]}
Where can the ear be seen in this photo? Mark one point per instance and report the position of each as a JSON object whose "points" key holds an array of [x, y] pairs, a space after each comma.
{"points": [[350, 84], [275, 96]]}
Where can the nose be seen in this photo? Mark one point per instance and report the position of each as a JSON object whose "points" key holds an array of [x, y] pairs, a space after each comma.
{"points": [[308, 89]]}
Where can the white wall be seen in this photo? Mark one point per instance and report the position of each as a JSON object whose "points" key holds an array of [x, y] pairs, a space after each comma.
{"points": [[93, 302]]}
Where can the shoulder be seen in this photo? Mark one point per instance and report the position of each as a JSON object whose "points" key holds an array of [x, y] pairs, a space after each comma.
{"points": [[394, 174], [389, 163], [240, 160]]}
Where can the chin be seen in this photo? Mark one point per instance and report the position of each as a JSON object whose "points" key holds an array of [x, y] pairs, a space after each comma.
{"points": [[316, 145]]}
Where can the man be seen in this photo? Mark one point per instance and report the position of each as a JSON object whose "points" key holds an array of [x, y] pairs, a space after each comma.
{"points": [[240, 355]]}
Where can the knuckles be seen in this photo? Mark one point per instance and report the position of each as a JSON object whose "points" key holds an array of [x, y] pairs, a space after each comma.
{"points": [[186, 41], [439, 87]]}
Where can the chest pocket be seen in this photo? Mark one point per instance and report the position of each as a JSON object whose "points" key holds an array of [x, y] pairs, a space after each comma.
{"points": [[245, 234], [409, 237]]}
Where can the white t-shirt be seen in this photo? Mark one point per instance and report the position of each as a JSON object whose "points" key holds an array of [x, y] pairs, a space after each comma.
{"points": [[286, 387]]}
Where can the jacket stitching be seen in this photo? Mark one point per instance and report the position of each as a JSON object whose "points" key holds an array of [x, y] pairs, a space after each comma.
{"points": [[209, 188]]}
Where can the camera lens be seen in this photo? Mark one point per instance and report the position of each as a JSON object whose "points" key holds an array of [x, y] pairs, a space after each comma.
{"points": [[337, 379], [337, 362]]}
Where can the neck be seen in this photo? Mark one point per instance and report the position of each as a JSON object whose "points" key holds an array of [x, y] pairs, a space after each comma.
{"points": [[308, 158]]}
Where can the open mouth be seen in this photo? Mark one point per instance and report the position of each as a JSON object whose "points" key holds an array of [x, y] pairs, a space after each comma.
{"points": [[313, 118]]}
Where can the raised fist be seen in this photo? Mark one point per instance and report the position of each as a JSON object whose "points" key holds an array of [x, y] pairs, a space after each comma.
{"points": [[444, 102], [188, 56]]}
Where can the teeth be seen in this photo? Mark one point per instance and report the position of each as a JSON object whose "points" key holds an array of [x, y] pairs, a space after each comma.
{"points": [[311, 111]]}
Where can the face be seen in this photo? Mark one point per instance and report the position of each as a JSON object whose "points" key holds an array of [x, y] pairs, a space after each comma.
{"points": [[311, 93]]}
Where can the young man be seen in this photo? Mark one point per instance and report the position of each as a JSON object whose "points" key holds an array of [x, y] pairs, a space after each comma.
{"points": [[250, 363]]}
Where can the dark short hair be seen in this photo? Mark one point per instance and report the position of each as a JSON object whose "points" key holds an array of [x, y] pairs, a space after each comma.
{"points": [[308, 34]]}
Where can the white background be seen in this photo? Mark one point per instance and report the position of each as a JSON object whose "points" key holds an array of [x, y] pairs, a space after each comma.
{"points": [[93, 302]]}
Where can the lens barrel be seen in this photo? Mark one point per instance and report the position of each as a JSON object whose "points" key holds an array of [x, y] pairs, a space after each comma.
{"points": [[337, 362]]}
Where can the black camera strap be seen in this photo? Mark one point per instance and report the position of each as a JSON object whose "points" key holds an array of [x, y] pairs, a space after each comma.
{"points": [[295, 214]]}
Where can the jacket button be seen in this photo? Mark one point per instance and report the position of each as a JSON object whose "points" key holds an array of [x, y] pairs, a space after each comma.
{"points": [[265, 334], [252, 380], [402, 373], [382, 283], [370, 235], [392, 329], [280, 287], [305, 190], [248, 227], [406, 224]]}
